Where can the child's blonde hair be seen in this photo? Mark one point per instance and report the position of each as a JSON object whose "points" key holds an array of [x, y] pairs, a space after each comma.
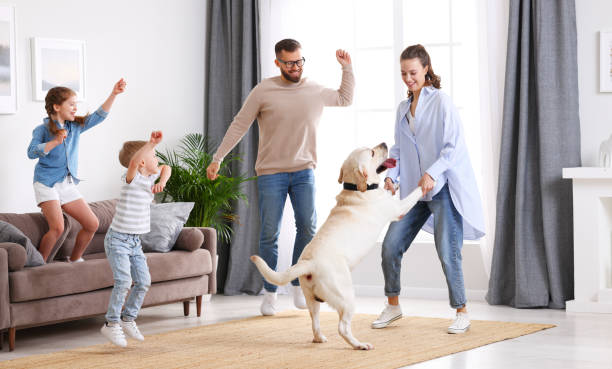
{"points": [[128, 150]]}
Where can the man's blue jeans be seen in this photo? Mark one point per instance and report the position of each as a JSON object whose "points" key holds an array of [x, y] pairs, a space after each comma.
{"points": [[128, 262], [448, 236], [273, 190]]}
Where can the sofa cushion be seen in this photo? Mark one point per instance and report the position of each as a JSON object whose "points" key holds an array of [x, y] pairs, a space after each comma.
{"points": [[34, 226], [61, 278], [10, 233], [104, 211], [167, 220], [96, 246], [189, 239]]}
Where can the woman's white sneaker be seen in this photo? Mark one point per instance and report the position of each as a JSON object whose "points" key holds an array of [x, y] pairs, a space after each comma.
{"points": [[131, 330], [461, 324], [390, 314], [114, 333]]}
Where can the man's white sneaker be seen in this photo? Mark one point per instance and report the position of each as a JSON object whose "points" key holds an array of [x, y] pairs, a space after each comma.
{"points": [[461, 324], [298, 297], [268, 304], [390, 314], [114, 333], [131, 330]]}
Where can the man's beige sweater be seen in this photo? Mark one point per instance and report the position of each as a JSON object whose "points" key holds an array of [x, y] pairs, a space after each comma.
{"points": [[288, 115]]}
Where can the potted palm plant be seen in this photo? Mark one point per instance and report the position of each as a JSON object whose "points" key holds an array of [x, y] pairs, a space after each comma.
{"points": [[189, 183]]}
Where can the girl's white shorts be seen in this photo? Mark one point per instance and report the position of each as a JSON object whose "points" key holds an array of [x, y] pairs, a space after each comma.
{"points": [[64, 192]]}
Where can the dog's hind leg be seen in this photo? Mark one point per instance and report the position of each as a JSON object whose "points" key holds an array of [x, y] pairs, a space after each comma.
{"points": [[313, 308], [345, 314]]}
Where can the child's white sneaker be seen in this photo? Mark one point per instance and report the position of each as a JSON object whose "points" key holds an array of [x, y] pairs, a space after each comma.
{"points": [[131, 330], [461, 324], [390, 314], [114, 333], [298, 297], [268, 304], [76, 261]]}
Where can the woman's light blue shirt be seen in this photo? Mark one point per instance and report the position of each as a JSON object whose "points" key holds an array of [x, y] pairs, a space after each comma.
{"points": [[438, 148], [54, 166]]}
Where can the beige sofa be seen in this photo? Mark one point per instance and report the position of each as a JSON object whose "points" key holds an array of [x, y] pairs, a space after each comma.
{"points": [[60, 291]]}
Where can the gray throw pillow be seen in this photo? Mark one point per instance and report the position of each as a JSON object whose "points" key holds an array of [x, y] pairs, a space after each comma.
{"points": [[167, 220], [10, 233]]}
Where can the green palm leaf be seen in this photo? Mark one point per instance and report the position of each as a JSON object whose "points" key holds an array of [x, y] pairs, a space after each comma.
{"points": [[189, 183]]}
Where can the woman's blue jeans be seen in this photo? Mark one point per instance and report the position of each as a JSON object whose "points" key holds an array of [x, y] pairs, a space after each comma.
{"points": [[448, 236], [273, 190]]}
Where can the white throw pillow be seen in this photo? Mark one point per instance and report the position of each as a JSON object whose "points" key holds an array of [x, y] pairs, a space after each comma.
{"points": [[167, 221]]}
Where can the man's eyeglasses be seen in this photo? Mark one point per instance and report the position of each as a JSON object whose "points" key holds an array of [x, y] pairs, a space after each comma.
{"points": [[290, 64]]}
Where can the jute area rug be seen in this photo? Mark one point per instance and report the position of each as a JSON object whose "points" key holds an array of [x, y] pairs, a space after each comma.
{"points": [[284, 341]]}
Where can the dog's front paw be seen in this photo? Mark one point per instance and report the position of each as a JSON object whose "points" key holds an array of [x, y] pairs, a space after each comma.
{"points": [[364, 346], [319, 339]]}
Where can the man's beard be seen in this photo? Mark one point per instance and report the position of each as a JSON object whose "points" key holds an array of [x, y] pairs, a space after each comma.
{"points": [[288, 77]]}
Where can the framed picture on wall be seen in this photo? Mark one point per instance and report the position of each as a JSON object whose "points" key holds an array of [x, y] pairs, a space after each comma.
{"points": [[8, 76], [605, 61], [58, 63]]}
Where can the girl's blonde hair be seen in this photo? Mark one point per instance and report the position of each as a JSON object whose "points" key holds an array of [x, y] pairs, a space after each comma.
{"points": [[418, 51], [57, 96]]}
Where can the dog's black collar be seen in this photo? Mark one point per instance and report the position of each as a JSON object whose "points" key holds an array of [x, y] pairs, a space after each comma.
{"points": [[353, 187]]}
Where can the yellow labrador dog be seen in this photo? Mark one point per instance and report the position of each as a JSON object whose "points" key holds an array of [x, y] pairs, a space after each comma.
{"points": [[350, 231]]}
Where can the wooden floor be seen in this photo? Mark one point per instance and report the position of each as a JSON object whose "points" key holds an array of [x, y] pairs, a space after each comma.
{"points": [[581, 341]]}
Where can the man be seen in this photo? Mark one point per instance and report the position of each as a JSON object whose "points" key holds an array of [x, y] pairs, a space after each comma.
{"points": [[288, 109]]}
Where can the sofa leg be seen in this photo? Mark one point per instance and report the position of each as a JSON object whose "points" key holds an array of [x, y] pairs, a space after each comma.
{"points": [[186, 308], [199, 305], [1, 340], [12, 332]]}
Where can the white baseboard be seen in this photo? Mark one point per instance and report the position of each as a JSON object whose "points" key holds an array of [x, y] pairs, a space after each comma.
{"points": [[418, 293]]}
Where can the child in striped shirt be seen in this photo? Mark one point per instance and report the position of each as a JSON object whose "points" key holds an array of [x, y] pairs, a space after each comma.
{"points": [[122, 242]]}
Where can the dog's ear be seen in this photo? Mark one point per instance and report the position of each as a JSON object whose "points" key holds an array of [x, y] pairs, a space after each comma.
{"points": [[341, 175], [362, 179]]}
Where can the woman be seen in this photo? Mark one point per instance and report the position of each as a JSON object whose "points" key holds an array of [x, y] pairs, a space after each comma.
{"points": [[431, 153]]}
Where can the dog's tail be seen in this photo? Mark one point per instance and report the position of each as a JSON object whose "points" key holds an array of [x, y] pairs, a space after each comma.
{"points": [[281, 278]]}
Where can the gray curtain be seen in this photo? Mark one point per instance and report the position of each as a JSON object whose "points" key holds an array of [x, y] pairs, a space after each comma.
{"points": [[533, 254], [232, 70]]}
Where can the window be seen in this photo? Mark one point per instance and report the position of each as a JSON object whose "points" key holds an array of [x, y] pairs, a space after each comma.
{"points": [[375, 33]]}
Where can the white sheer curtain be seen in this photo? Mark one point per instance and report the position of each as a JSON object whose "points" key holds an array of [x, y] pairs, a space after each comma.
{"points": [[322, 26], [493, 35]]}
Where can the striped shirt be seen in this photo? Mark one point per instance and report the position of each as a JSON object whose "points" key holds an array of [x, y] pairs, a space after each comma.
{"points": [[133, 211]]}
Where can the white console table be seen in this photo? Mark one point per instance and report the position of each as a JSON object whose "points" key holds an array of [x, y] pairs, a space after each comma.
{"points": [[592, 196]]}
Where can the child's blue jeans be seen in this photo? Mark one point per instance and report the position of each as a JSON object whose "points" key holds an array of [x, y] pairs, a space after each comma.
{"points": [[128, 262]]}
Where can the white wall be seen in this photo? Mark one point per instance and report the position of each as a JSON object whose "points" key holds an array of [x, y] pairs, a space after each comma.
{"points": [[592, 16], [158, 46]]}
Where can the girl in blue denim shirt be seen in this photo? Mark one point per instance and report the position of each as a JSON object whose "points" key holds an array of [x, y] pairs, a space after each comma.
{"points": [[55, 144]]}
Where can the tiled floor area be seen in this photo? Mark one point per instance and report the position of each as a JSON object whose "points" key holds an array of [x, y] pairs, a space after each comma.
{"points": [[581, 341]]}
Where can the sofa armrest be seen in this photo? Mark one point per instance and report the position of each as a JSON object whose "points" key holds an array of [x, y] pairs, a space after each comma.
{"points": [[210, 244], [16, 255], [5, 302]]}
